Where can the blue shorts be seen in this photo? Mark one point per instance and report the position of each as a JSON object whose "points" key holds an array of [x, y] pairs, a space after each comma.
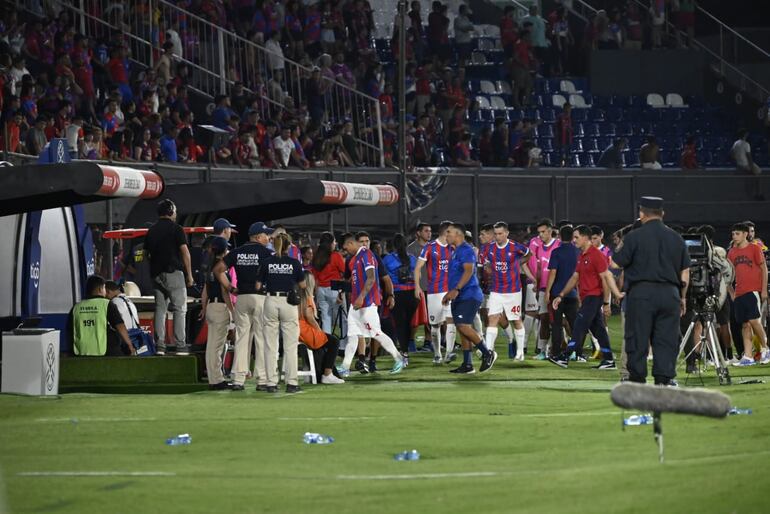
{"points": [[463, 311], [746, 307]]}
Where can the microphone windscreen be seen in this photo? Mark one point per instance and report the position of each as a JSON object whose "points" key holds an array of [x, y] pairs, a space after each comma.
{"points": [[652, 398]]}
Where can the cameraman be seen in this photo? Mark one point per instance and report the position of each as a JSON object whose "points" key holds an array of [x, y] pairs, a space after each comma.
{"points": [[749, 293], [656, 272]]}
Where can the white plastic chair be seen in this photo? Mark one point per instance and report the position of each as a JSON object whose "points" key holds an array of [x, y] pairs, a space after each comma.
{"points": [[308, 375], [497, 102], [655, 100], [504, 87], [578, 102], [483, 102], [487, 87], [674, 100], [558, 100], [478, 58], [567, 86]]}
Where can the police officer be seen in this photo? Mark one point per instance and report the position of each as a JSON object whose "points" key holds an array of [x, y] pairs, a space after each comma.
{"points": [[279, 276], [656, 267], [216, 309], [250, 305]]}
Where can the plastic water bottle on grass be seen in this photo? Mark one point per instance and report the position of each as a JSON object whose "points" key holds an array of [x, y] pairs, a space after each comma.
{"points": [[313, 438], [407, 455], [178, 440], [639, 419], [735, 411]]}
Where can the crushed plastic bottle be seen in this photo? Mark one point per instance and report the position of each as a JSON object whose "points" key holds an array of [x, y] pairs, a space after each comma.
{"points": [[313, 438], [735, 411], [178, 440], [638, 419], [407, 455]]}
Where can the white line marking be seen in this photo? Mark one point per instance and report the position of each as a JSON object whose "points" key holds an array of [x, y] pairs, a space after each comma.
{"points": [[96, 420], [473, 474], [567, 414], [341, 418], [95, 474]]}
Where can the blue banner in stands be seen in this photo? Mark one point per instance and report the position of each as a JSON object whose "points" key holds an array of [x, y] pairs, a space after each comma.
{"points": [[30, 294], [422, 189]]}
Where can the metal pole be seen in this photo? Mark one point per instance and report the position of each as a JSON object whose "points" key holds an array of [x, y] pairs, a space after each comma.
{"points": [[553, 198], [475, 202], [110, 257], [634, 214], [222, 66], [331, 213], [82, 8], [403, 211]]}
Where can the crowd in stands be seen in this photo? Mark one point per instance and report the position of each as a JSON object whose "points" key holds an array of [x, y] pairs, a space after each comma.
{"points": [[56, 82]]}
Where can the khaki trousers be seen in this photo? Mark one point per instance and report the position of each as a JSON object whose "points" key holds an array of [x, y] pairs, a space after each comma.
{"points": [[248, 327], [281, 317], [218, 319]]}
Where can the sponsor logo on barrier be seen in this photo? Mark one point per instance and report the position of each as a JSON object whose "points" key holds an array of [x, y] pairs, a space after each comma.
{"points": [[50, 367], [34, 273]]}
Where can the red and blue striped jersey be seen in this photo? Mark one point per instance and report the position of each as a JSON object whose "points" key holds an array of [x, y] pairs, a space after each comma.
{"points": [[483, 282], [362, 261], [436, 257], [294, 252], [505, 267]]}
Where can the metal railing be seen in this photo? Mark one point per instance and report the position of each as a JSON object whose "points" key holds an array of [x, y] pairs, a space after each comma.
{"points": [[216, 58], [730, 51]]}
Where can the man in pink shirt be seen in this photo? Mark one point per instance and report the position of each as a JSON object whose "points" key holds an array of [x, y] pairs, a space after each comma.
{"points": [[541, 255]]}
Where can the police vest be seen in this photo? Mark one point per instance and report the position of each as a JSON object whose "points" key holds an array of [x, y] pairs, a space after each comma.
{"points": [[89, 326]]}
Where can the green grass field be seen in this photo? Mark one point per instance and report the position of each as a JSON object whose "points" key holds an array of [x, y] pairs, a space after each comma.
{"points": [[526, 437]]}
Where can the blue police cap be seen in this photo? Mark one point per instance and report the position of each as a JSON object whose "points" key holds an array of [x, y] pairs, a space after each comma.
{"points": [[651, 202], [259, 228]]}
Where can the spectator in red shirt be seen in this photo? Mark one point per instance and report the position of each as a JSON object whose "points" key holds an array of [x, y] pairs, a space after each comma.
{"points": [[117, 67], [521, 65], [461, 154], [13, 129], [422, 145], [564, 132], [689, 157], [508, 31], [485, 147], [438, 30]]}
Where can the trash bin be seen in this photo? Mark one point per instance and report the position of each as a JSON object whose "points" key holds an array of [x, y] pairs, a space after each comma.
{"points": [[31, 362]]}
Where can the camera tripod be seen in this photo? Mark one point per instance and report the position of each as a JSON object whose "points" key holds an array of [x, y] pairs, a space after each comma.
{"points": [[709, 341]]}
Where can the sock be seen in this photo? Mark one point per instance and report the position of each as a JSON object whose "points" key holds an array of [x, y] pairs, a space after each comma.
{"points": [[412, 347], [521, 337], [490, 338], [607, 354], [595, 342], [509, 333], [350, 351], [388, 345], [467, 358], [483, 349], [542, 344], [451, 332], [435, 334]]}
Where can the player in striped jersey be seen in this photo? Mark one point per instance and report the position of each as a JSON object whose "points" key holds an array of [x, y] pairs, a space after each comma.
{"points": [[486, 237], [503, 260], [363, 318], [435, 257]]}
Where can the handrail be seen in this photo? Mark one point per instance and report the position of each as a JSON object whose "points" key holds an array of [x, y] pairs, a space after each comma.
{"points": [[735, 32]]}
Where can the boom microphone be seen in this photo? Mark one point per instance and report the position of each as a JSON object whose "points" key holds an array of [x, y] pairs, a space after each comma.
{"points": [[700, 402]]}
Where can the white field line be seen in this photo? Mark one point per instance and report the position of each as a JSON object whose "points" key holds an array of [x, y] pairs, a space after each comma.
{"points": [[471, 474], [567, 414], [95, 474], [97, 420], [337, 418]]}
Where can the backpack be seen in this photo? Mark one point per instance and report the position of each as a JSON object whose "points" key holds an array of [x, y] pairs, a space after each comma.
{"points": [[140, 338]]}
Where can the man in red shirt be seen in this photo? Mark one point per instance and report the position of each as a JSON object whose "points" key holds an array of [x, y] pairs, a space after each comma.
{"points": [[520, 69], [564, 132], [508, 28], [750, 291], [594, 283]]}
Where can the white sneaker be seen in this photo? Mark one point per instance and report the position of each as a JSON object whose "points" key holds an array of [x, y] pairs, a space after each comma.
{"points": [[519, 357], [331, 379], [765, 358], [437, 360]]}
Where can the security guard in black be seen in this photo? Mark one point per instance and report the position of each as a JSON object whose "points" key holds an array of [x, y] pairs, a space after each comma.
{"points": [[246, 260], [280, 274], [654, 259]]}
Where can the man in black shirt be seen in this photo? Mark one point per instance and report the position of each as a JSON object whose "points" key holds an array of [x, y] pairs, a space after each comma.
{"points": [[246, 260], [166, 248], [656, 268]]}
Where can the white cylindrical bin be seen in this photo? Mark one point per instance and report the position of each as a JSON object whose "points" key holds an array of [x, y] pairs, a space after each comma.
{"points": [[31, 362]]}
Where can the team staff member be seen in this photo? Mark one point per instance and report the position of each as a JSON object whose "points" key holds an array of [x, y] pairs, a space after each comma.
{"points": [[465, 297], [400, 267], [97, 326], [316, 339], [422, 236], [328, 266], [216, 307], [656, 271], [594, 282], [503, 260], [435, 258], [541, 255], [561, 267], [171, 272], [280, 275], [363, 319], [250, 305], [750, 292]]}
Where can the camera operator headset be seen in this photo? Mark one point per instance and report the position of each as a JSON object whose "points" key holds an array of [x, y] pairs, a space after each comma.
{"points": [[279, 277]]}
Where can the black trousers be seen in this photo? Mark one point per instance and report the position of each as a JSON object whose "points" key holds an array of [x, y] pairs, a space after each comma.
{"points": [[652, 317], [736, 329], [403, 312], [326, 355], [567, 309], [590, 317]]}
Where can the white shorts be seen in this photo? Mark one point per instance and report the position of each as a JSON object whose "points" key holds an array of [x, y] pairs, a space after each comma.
{"points": [[437, 312], [485, 302], [510, 303], [532, 304], [364, 322], [541, 302]]}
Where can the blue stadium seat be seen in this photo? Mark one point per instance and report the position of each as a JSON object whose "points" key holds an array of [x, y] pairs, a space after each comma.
{"points": [[604, 142], [516, 114], [532, 113], [578, 130], [625, 129], [577, 145], [614, 114], [597, 115], [580, 115], [609, 129], [574, 161], [549, 158], [545, 143], [592, 129], [590, 144], [548, 114], [704, 158], [588, 160], [544, 130]]}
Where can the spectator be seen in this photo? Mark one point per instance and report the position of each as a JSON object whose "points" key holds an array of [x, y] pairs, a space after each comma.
{"points": [[463, 30], [612, 156], [689, 157], [222, 113], [322, 343], [239, 100], [168, 144], [649, 154], [633, 27], [520, 70], [275, 57], [741, 154], [36, 139], [438, 30], [97, 326], [13, 129], [485, 147], [658, 19], [462, 153], [285, 151], [500, 139], [562, 42], [539, 42], [164, 66], [422, 145], [564, 133], [508, 31]]}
